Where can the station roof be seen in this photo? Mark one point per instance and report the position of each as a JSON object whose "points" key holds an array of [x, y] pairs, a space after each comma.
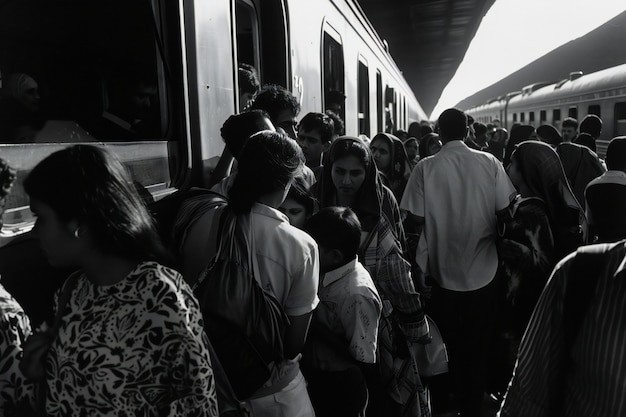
{"points": [[426, 38]]}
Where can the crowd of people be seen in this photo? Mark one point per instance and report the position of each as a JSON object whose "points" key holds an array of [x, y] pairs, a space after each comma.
{"points": [[356, 240]]}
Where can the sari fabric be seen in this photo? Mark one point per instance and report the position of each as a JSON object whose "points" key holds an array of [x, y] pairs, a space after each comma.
{"points": [[581, 166]]}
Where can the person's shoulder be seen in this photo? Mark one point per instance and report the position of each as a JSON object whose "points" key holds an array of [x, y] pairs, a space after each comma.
{"points": [[154, 273]]}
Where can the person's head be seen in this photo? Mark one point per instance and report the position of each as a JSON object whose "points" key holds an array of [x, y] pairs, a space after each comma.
{"points": [[381, 148], [268, 164], [429, 145], [415, 129], [411, 147], [248, 85], [616, 154], [591, 124], [548, 134], [519, 134], [281, 105], [131, 96], [315, 133], [7, 178], [400, 134], [425, 129], [24, 90], [585, 139], [569, 129], [453, 125], [85, 203], [337, 123], [349, 160], [337, 231], [334, 101], [299, 204], [480, 130], [239, 127]]}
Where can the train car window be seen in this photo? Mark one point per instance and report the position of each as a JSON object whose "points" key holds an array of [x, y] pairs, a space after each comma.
{"points": [[573, 112], [389, 109], [594, 109], [620, 119], [334, 75], [379, 102], [364, 99], [275, 65], [514, 117], [531, 117], [542, 117], [86, 72], [247, 34], [521, 117], [556, 116]]}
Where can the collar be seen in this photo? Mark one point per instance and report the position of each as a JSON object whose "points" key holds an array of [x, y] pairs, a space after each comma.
{"points": [[619, 272], [267, 211], [338, 273], [615, 173], [456, 143]]}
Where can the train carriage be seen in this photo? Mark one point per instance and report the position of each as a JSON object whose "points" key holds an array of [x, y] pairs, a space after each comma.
{"points": [[84, 65]]}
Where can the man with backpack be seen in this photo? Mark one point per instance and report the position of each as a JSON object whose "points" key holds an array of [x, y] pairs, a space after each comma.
{"points": [[572, 360]]}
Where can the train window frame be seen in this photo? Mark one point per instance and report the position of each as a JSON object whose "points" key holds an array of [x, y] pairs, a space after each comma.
{"points": [[156, 158], [333, 66], [514, 117], [253, 53], [595, 109], [542, 117], [531, 117], [522, 117], [363, 97], [380, 112]]}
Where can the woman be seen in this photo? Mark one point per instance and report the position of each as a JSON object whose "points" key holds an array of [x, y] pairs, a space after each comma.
{"points": [[287, 259], [350, 179], [411, 146], [391, 160], [548, 134], [299, 204], [581, 166], [131, 340], [519, 133], [429, 145]]}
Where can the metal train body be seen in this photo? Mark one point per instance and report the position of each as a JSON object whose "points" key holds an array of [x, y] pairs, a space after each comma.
{"points": [[182, 56], [602, 93]]}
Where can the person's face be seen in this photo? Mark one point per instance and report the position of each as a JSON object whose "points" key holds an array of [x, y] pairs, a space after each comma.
{"points": [[295, 211], [312, 146], [348, 175], [286, 121], [244, 101], [30, 95], [569, 133], [382, 154], [56, 237], [411, 149]]}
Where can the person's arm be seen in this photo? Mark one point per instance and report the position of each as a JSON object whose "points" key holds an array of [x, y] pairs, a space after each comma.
{"points": [[221, 170], [296, 334]]}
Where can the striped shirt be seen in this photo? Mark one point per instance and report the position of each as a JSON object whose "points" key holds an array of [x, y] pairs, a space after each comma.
{"points": [[595, 382]]}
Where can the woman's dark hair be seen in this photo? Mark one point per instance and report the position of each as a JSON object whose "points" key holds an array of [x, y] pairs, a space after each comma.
{"points": [[90, 185], [354, 147], [239, 127], [268, 161], [336, 228], [301, 194]]}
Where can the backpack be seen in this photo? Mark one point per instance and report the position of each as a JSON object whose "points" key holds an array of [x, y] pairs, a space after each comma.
{"points": [[245, 324]]}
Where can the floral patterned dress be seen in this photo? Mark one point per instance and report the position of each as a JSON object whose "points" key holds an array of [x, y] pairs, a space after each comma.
{"points": [[135, 348], [14, 328]]}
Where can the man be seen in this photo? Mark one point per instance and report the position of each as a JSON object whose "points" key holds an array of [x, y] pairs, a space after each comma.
{"points": [[456, 195], [248, 85], [315, 133], [569, 129], [606, 196], [283, 108], [574, 364], [592, 125]]}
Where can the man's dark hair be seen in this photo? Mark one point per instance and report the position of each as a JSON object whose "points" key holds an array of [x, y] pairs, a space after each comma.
{"points": [[616, 154], [591, 124], [337, 122], [479, 128], [585, 139], [248, 80], [452, 124], [318, 122], [239, 127], [274, 99], [570, 122], [336, 228]]}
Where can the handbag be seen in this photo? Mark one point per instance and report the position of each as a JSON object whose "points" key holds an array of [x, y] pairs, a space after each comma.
{"points": [[432, 358]]}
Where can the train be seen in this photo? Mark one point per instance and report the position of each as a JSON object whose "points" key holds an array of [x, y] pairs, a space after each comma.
{"points": [[78, 65], [602, 93]]}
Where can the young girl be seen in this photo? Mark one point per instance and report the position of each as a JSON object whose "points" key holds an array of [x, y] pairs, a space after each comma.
{"points": [[131, 341], [392, 161]]}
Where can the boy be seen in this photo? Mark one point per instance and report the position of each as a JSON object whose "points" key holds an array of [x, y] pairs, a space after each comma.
{"points": [[341, 345]]}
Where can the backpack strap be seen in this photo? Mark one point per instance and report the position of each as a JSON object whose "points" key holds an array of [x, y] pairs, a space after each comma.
{"points": [[587, 266]]}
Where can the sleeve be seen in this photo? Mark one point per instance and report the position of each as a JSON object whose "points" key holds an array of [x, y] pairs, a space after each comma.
{"points": [[302, 297], [360, 318], [503, 186], [413, 197], [537, 381]]}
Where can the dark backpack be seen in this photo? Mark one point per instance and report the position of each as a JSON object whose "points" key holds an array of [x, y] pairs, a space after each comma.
{"points": [[245, 324]]}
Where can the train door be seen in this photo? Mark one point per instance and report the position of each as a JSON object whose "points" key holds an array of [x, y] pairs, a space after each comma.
{"points": [[620, 119], [363, 92], [334, 83]]}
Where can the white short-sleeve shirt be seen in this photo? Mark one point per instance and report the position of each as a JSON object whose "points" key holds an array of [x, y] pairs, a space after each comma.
{"points": [[458, 192]]}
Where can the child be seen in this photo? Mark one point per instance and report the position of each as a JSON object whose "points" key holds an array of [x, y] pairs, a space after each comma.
{"points": [[341, 346]]}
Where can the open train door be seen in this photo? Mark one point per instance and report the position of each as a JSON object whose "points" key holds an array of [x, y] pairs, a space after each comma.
{"points": [[262, 41]]}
